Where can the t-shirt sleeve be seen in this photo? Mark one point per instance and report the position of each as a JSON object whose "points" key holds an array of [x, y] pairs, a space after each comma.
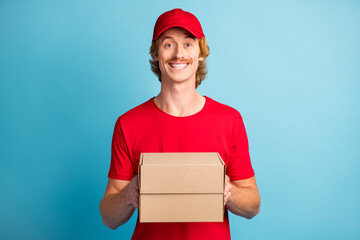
{"points": [[239, 166], [121, 166]]}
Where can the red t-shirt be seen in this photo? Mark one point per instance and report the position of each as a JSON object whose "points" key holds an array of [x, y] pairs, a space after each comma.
{"points": [[145, 128]]}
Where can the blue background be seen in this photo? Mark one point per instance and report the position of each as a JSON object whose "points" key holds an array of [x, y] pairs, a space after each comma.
{"points": [[68, 69]]}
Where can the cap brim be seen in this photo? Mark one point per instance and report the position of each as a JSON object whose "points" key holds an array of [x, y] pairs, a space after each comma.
{"points": [[192, 31]]}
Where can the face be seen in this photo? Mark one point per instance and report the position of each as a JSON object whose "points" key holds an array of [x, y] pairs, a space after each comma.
{"points": [[178, 55]]}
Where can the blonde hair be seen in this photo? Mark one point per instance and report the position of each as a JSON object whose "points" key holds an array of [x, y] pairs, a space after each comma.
{"points": [[201, 71]]}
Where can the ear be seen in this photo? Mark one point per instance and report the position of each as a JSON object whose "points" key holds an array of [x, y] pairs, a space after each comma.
{"points": [[201, 59], [155, 57]]}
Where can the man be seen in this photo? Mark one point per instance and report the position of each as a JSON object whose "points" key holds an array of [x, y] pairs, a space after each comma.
{"points": [[179, 119]]}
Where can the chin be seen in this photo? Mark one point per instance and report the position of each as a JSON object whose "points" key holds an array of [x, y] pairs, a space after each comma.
{"points": [[181, 80]]}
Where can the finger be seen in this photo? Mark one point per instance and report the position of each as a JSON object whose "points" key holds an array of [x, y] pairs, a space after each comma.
{"points": [[136, 202], [225, 197], [228, 196], [225, 201], [227, 189]]}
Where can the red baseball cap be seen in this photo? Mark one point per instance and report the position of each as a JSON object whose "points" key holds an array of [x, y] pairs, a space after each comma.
{"points": [[178, 18]]}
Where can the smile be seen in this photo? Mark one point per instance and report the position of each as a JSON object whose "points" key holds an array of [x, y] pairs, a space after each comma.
{"points": [[178, 65]]}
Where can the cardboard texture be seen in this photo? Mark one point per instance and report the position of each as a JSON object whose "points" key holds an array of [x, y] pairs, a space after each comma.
{"points": [[181, 187]]}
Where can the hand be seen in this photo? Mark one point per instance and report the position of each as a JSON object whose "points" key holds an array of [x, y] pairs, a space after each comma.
{"points": [[227, 190], [133, 192]]}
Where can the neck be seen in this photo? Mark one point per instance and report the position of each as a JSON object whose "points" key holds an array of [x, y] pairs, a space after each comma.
{"points": [[180, 99]]}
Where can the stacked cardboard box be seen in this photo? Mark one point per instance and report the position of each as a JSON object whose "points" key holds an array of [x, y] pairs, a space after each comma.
{"points": [[181, 187]]}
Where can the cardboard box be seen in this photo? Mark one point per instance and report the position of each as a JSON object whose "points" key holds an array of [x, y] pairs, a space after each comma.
{"points": [[181, 187]]}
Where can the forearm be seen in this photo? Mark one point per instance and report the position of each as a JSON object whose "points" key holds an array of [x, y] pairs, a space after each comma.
{"points": [[244, 201], [115, 210]]}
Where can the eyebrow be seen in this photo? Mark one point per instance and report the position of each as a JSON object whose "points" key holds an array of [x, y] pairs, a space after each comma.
{"points": [[190, 36]]}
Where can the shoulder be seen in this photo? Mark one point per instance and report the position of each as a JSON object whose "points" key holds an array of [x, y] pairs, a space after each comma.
{"points": [[137, 113], [223, 109]]}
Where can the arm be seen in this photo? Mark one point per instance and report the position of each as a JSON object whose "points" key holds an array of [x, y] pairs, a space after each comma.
{"points": [[119, 202], [242, 197]]}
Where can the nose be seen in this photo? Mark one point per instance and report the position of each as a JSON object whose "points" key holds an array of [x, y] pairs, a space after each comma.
{"points": [[179, 51]]}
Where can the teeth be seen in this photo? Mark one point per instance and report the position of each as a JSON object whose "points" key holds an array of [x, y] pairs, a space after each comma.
{"points": [[178, 65]]}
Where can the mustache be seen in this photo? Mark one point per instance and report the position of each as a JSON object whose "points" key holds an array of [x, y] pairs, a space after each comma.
{"points": [[182, 60]]}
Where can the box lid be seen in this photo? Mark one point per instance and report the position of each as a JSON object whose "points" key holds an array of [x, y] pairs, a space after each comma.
{"points": [[161, 173]]}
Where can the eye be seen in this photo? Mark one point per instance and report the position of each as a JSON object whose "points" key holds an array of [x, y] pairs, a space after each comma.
{"points": [[188, 45], [169, 45]]}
